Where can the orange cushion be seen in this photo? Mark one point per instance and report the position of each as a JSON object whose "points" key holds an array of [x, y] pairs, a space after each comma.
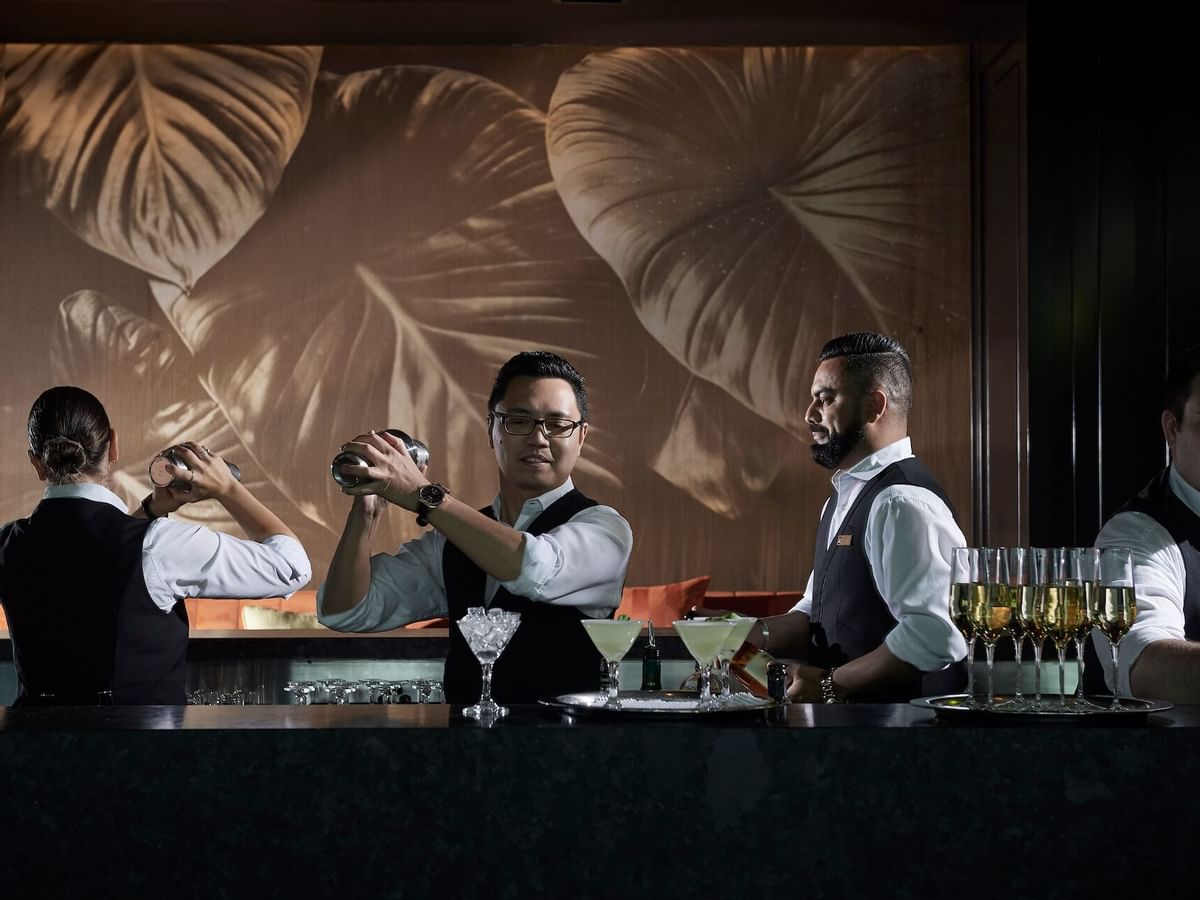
{"points": [[663, 603]]}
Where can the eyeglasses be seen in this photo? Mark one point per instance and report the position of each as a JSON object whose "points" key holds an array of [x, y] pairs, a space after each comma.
{"points": [[518, 424]]}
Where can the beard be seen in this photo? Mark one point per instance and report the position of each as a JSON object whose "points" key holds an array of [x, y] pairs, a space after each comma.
{"points": [[838, 447]]}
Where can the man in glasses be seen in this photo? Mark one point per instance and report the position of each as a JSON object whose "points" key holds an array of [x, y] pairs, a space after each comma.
{"points": [[875, 613], [1160, 656], [541, 548]]}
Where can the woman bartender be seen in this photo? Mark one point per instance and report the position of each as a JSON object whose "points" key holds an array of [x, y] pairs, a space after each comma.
{"points": [[93, 594]]}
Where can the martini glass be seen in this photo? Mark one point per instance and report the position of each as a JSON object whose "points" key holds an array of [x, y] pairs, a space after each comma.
{"points": [[704, 639], [737, 637], [613, 638], [487, 635]]}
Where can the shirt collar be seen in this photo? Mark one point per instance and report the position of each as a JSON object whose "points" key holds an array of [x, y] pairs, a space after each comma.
{"points": [[86, 490], [535, 506], [868, 468], [1184, 491]]}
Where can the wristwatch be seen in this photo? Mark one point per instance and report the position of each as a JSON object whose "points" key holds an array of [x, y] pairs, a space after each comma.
{"points": [[829, 692], [429, 496]]}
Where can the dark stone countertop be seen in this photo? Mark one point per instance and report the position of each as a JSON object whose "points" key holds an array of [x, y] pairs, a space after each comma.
{"points": [[415, 801]]}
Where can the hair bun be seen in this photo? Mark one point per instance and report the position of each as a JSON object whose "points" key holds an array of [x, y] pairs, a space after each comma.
{"points": [[64, 455]]}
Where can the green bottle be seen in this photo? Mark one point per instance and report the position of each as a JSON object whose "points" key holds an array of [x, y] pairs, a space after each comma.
{"points": [[651, 664]]}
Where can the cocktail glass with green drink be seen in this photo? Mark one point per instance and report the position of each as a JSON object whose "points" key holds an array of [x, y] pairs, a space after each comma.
{"points": [[613, 638], [737, 636], [704, 639]]}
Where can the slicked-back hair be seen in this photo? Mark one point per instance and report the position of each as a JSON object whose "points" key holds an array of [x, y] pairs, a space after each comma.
{"points": [[539, 364], [875, 360], [1178, 386], [69, 432]]}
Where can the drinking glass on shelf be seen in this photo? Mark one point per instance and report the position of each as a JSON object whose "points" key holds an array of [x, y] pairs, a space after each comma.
{"points": [[733, 643], [487, 633], [703, 638], [990, 610], [965, 572], [1116, 605], [1086, 562], [1020, 592], [301, 691], [613, 638]]}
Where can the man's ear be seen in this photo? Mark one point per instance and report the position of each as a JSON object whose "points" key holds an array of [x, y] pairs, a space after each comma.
{"points": [[876, 405], [1170, 428], [491, 420]]}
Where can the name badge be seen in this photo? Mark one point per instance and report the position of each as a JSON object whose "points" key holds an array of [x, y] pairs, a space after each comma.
{"points": [[843, 540]]}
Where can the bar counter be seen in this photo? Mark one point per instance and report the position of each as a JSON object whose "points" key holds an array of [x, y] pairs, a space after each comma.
{"points": [[411, 800]]}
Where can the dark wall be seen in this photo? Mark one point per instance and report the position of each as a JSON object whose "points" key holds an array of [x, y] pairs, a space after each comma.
{"points": [[1114, 203]]}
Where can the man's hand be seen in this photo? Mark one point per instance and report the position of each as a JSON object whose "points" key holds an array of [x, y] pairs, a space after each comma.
{"points": [[804, 683], [391, 473]]}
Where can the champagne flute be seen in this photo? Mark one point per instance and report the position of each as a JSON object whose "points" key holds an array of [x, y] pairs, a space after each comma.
{"points": [[964, 572], [990, 609], [1116, 606], [1033, 619], [1020, 588], [1087, 562], [613, 638], [1060, 599], [703, 638]]}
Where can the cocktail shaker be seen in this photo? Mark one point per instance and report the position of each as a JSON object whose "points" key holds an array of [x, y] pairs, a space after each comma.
{"points": [[161, 477], [417, 450]]}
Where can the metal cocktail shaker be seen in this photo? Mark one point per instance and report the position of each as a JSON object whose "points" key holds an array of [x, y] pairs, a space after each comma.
{"points": [[161, 477], [417, 451]]}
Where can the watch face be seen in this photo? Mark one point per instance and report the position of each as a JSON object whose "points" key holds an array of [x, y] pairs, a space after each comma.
{"points": [[432, 495]]}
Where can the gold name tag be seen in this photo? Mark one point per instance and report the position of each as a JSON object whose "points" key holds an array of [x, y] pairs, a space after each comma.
{"points": [[843, 540]]}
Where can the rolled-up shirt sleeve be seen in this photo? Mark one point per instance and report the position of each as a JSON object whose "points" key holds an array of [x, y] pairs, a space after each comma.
{"points": [[580, 563], [1159, 581], [180, 560], [406, 586], [910, 533]]}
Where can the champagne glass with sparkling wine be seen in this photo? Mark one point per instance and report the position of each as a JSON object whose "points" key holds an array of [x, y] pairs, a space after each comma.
{"points": [[964, 573], [1116, 606]]}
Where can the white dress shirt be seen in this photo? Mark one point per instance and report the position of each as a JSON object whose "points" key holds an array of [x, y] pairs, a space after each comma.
{"points": [[580, 563], [909, 535], [181, 560], [1159, 581]]}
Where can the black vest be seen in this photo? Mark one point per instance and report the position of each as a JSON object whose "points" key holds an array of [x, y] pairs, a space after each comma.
{"points": [[1158, 501], [849, 616], [549, 654], [79, 615]]}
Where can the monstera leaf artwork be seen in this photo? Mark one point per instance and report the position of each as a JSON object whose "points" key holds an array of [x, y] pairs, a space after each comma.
{"points": [[113, 352], [162, 156], [386, 290], [757, 202]]}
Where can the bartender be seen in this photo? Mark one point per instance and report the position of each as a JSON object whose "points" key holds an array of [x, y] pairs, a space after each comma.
{"points": [[874, 622], [93, 594], [540, 548]]}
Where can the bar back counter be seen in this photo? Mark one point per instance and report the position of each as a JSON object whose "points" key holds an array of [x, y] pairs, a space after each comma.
{"points": [[414, 800]]}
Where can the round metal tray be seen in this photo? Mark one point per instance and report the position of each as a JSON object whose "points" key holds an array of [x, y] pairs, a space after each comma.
{"points": [[654, 704], [953, 707]]}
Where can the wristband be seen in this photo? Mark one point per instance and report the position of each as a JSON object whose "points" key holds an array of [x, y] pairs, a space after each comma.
{"points": [[146, 509]]}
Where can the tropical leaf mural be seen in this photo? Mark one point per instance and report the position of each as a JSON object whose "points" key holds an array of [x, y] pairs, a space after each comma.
{"points": [[270, 259], [756, 204], [162, 156]]}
